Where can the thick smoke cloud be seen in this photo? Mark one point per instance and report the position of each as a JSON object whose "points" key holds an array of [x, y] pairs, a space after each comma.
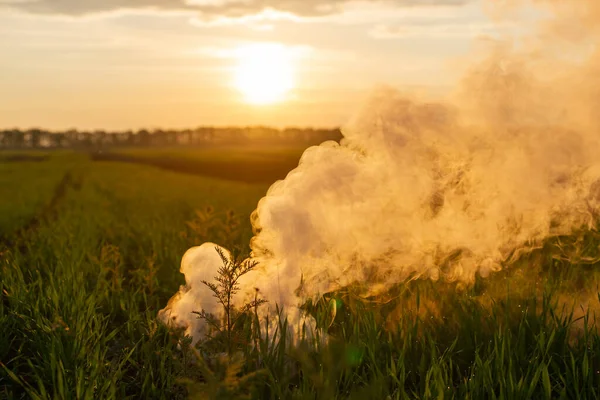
{"points": [[444, 190]]}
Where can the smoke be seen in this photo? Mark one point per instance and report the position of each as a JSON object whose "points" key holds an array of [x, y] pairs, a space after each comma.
{"points": [[198, 264], [445, 190]]}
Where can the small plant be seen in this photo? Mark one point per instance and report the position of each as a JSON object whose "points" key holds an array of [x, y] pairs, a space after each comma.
{"points": [[209, 224], [147, 277], [204, 221], [111, 265], [223, 382], [224, 289]]}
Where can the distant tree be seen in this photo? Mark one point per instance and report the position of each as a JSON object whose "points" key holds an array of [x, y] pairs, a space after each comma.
{"points": [[171, 137], [57, 139], [128, 138], [142, 137], [158, 137], [17, 139], [34, 138]]}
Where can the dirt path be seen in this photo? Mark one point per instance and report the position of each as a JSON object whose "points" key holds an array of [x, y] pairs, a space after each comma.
{"points": [[47, 213]]}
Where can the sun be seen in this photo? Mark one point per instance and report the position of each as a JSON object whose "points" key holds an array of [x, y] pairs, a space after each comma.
{"points": [[264, 74]]}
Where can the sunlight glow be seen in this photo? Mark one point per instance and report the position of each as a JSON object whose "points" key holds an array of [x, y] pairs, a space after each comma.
{"points": [[265, 73]]}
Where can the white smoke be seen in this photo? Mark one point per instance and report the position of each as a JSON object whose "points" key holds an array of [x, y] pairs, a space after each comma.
{"points": [[199, 264], [426, 189]]}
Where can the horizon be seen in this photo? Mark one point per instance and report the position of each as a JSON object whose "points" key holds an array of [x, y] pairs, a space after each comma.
{"points": [[152, 130], [124, 65]]}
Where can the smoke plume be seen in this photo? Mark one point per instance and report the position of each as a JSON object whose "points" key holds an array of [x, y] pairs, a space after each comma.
{"points": [[445, 190]]}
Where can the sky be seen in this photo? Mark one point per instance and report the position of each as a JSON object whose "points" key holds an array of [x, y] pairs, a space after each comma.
{"points": [[132, 64]]}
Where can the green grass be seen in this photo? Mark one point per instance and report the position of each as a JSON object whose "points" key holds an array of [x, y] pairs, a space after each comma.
{"points": [[80, 291], [220, 153], [249, 164], [26, 187]]}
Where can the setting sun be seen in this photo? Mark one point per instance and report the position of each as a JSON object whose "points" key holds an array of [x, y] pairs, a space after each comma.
{"points": [[264, 74]]}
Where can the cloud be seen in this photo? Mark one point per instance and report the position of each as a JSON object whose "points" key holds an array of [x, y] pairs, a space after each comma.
{"points": [[240, 51], [86, 7], [457, 30], [209, 8]]}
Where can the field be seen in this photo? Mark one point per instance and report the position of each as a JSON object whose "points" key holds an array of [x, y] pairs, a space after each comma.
{"points": [[253, 164], [90, 247]]}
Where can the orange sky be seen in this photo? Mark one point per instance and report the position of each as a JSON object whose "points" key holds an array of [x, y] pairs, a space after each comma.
{"points": [[129, 64]]}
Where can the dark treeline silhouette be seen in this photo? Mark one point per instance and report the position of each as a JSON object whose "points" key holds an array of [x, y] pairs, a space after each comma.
{"points": [[95, 140]]}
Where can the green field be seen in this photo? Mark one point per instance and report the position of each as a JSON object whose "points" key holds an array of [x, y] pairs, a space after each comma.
{"points": [[90, 251], [252, 163]]}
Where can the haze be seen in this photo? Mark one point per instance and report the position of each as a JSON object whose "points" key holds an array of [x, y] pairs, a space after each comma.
{"points": [[129, 64]]}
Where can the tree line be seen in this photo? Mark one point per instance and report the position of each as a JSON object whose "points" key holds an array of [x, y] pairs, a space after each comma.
{"points": [[99, 139]]}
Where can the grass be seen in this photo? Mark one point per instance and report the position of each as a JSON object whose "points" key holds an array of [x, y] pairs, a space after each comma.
{"points": [[250, 164], [216, 153], [80, 290], [19, 202]]}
